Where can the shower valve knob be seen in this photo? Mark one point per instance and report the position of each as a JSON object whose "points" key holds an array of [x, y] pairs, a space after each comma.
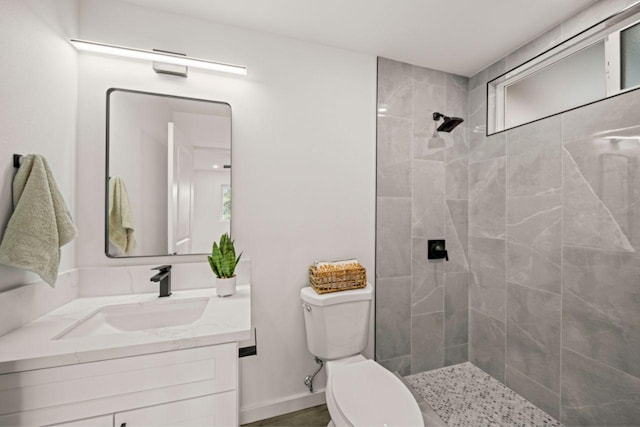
{"points": [[437, 250]]}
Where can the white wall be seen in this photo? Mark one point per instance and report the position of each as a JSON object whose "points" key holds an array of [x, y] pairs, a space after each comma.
{"points": [[303, 162], [38, 75]]}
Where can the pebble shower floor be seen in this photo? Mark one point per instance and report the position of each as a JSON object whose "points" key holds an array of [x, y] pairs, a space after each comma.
{"points": [[465, 396]]}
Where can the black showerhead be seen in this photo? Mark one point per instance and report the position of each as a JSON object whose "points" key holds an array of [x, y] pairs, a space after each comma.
{"points": [[448, 123]]}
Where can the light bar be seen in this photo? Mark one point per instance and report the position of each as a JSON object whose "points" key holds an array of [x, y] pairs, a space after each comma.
{"points": [[168, 58]]}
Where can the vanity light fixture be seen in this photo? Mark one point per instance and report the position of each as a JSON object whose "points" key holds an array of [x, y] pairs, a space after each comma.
{"points": [[158, 56]]}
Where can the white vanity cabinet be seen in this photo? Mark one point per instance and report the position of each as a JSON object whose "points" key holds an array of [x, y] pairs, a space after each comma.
{"points": [[195, 386]]}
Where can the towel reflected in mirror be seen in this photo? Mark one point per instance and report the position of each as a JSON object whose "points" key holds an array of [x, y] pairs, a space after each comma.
{"points": [[121, 227]]}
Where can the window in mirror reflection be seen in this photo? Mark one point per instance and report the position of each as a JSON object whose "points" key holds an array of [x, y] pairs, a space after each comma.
{"points": [[172, 156], [226, 203]]}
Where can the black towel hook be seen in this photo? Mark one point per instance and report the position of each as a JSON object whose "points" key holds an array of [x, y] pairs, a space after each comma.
{"points": [[16, 160]]}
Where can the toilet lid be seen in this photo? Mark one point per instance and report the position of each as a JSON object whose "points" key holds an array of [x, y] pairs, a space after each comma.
{"points": [[369, 395]]}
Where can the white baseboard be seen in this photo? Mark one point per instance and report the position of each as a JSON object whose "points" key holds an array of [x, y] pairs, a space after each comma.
{"points": [[277, 407]]}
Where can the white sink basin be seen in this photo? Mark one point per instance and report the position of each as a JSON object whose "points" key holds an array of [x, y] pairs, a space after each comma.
{"points": [[161, 313]]}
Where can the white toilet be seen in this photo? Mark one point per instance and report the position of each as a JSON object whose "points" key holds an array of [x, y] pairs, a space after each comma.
{"points": [[359, 391]]}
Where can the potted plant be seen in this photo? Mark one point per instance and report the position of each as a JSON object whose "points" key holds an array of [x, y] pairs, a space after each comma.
{"points": [[223, 263]]}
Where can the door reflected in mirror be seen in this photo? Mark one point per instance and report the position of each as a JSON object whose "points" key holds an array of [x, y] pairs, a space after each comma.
{"points": [[168, 186]]}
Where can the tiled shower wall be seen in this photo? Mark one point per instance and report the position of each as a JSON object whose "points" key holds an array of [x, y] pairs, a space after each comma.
{"points": [[422, 194], [554, 235]]}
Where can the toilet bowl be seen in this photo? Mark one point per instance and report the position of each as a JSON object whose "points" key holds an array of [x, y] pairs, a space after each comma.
{"points": [[359, 392]]}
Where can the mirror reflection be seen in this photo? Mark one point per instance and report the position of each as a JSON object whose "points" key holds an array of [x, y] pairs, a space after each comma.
{"points": [[168, 186]]}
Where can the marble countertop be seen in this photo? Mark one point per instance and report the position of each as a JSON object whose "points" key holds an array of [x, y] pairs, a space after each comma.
{"points": [[33, 346]]}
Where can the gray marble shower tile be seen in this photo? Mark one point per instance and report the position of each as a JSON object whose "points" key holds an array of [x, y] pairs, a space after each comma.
{"points": [[608, 116], [601, 306], [477, 127], [457, 96], [610, 167], [457, 143], [401, 365], [533, 334], [456, 309], [486, 344], [459, 211], [426, 147], [534, 158], [457, 179], [429, 76], [428, 207], [487, 200], [455, 244], [594, 394], [393, 318], [585, 218], [457, 164], [482, 148], [427, 342], [535, 393], [477, 107], [427, 289], [427, 99], [533, 241], [487, 287], [393, 234], [456, 354], [395, 88], [394, 157]]}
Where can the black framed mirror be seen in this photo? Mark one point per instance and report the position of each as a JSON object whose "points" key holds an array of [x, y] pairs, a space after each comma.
{"points": [[168, 174]]}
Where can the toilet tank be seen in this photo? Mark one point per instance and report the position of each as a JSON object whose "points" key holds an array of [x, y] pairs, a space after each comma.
{"points": [[337, 323]]}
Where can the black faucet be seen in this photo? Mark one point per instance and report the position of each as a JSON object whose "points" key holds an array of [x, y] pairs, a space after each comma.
{"points": [[164, 277]]}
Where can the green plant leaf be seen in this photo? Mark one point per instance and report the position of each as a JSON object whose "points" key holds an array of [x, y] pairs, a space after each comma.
{"points": [[223, 259], [213, 266]]}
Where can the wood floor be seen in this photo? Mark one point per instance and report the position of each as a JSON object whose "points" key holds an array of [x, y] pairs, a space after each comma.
{"points": [[318, 416]]}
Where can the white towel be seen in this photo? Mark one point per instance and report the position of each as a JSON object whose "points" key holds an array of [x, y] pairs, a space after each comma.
{"points": [[120, 219], [40, 224]]}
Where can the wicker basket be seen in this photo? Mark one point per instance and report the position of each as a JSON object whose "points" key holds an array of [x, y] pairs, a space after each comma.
{"points": [[334, 278]]}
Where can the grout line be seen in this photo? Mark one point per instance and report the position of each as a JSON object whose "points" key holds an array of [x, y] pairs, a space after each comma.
{"points": [[468, 141], [602, 364], [394, 197], [488, 160], [599, 199], [561, 262], [532, 380], [510, 282], [489, 316], [597, 249], [444, 227], [411, 171], [506, 316]]}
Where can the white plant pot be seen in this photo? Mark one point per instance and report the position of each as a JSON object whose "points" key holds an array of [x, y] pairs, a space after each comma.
{"points": [[226, 287]]}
